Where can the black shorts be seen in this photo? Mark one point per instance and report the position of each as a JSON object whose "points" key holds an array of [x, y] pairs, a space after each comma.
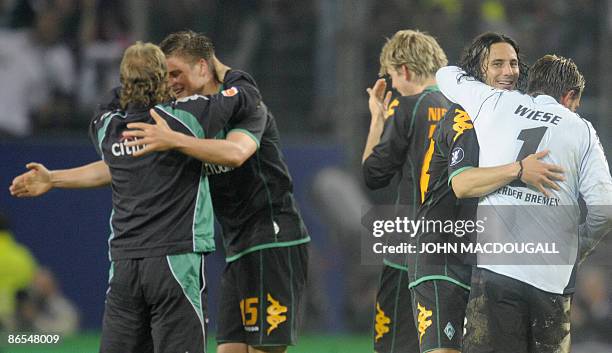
{"points": [[438, 307], [155, 304], [507, 315], [261, 296], [394, 329]]}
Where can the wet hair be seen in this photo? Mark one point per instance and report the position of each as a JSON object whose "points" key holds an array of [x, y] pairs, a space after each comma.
{"points": [[189, 45], [419, 51], [474, 58], [555, 76], [144, 76]]}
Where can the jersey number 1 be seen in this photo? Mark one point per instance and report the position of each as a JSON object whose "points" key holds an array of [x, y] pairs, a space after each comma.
{"points": [[531, 140]]}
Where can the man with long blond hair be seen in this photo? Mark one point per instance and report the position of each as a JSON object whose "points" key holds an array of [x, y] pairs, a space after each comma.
{"points": [[143, 76], [162, 221]]}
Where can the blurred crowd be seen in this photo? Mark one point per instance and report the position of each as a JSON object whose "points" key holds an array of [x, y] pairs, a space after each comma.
{"points": [[57, 56], [31, 299], [591, 310]]}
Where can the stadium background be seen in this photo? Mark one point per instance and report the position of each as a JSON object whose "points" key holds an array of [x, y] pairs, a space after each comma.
{"points": [[313, 61]]}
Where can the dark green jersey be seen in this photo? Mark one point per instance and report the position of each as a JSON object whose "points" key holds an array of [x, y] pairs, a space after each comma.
{"points": [[254, 203], [456, 148], [454, 132], [406, 148], [161, 201], [406, 145]]}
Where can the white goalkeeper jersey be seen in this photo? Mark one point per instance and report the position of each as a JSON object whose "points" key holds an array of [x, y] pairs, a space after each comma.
{"points": [[510, 126]]}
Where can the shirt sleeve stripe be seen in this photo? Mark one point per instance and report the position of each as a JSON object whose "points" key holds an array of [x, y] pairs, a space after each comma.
{"points": [[457, 172], [246, 132]]}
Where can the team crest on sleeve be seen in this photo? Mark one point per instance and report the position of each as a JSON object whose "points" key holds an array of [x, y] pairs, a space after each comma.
{"points": [[230, 92], [456, 155]]}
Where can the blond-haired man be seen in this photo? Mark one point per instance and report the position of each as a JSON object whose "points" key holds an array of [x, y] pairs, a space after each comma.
{"points": [[400, 142]]}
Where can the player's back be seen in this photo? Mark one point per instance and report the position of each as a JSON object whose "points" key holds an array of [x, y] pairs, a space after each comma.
{"points": [[510, 128], [521, 125], [406, 149], [161, 201], [406, 146]]}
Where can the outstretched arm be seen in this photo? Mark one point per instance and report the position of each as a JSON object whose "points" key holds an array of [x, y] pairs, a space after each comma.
{"points": [[39, 180], [234, 150], [477, 182]]}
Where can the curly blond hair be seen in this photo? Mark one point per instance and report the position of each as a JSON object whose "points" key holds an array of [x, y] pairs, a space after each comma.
{"points": [[144, 76], [419, 51]]}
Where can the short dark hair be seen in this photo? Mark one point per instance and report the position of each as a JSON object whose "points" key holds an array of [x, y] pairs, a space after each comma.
{"points": [[555, 76], [188, 44], [474, 57]]}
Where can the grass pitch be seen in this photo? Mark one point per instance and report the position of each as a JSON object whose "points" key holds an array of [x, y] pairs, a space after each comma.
{"points": [[310, 343]]}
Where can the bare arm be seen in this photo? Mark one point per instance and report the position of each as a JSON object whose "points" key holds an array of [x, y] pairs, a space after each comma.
{"points": [[232, 151], [39, 180], [477, 182], [377, 103]]}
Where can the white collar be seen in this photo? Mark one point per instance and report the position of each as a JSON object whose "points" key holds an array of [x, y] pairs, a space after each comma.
{"points": [[545, 99]]}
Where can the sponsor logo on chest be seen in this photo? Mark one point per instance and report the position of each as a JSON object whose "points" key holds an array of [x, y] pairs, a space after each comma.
{"points": [[213, 169]]}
